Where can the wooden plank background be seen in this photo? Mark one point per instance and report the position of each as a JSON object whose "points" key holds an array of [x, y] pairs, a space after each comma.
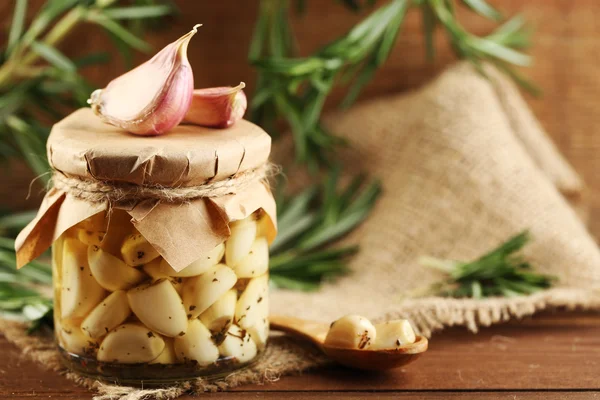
{"points": [[566, 45]]}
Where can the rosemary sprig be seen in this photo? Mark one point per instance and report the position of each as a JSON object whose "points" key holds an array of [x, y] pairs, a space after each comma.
{"points": [[310, 222], [500, 272], [24, 294], [296, 88]]}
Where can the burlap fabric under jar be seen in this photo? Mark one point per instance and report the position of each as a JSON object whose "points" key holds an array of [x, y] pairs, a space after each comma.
{"points": [[464, 164]]}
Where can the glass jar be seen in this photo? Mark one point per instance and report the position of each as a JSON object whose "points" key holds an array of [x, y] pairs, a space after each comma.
{"points": [[122, 312], [160, 249]]}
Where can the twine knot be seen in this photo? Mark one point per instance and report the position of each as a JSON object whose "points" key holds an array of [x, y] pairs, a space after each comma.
{"points": [[94, 191]]}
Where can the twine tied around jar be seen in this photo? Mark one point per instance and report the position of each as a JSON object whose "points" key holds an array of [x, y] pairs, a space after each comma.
{"points": [[95, 191]]}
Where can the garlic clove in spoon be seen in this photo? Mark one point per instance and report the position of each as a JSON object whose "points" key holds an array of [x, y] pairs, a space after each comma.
{"points": [[393, 334], [152, 98], [218, 107], [351, 332]]}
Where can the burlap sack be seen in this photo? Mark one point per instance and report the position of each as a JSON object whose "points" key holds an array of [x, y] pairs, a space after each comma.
{"points": [[464, 165]]}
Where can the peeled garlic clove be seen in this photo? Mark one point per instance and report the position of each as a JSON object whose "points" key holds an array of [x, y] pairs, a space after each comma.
{"points": [[154, 270], [129, 344], [57, 253], [200, 292], [238, 344], [110, 272], [199, 266], [219, 316], [152, 98], [92, 230], [351, 332], [218, 107], [252, 305], [90, 238], [137, 251], [168, 354], [259, 332], [177, 284], [74, 340], [242, 237], [107, 315], [264, 226], [256, 263], [393, 334], [80, 292], [196, 345], [159, 307], [96, 222], [119, 227]]}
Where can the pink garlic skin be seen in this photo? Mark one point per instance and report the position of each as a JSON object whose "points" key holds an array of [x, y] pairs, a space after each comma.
{"points": [[154, 97], [171, 110], [218, 107]]}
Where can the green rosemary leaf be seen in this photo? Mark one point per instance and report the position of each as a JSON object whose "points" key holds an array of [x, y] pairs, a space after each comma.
{"points": [[284, 37], [138, 12], [391, 33], [16, 221], [17, 24], [512, 33], [287, 261], [481, 7], [429, 26], [50, 10], [349, 193], [316, 100], [301, 225], [7, 277], [364, 77], [525, 83], [261, 29], [332, 232], [294, 283], [53, 56], [119, 31], [31, 147], [7, 243], [500, 51]]}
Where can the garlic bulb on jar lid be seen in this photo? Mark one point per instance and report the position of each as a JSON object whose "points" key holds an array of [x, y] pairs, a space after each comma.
{"points": [[152, 98]]}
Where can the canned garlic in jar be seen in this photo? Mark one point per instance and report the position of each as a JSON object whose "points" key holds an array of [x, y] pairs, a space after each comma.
{"points": [[160, 248]]}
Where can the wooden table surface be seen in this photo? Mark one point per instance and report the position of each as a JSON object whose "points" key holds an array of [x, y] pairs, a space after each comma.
{"points": [[552, 356]]}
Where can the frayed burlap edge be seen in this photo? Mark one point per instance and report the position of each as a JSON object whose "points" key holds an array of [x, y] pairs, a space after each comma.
{"points": [[433, 314], [285, 356]]}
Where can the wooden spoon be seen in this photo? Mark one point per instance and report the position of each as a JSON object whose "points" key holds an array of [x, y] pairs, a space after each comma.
{"points": [[315, 332]]}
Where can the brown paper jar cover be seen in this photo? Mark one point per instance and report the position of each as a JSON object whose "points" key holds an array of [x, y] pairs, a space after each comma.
{"points": [[82, 146]]}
